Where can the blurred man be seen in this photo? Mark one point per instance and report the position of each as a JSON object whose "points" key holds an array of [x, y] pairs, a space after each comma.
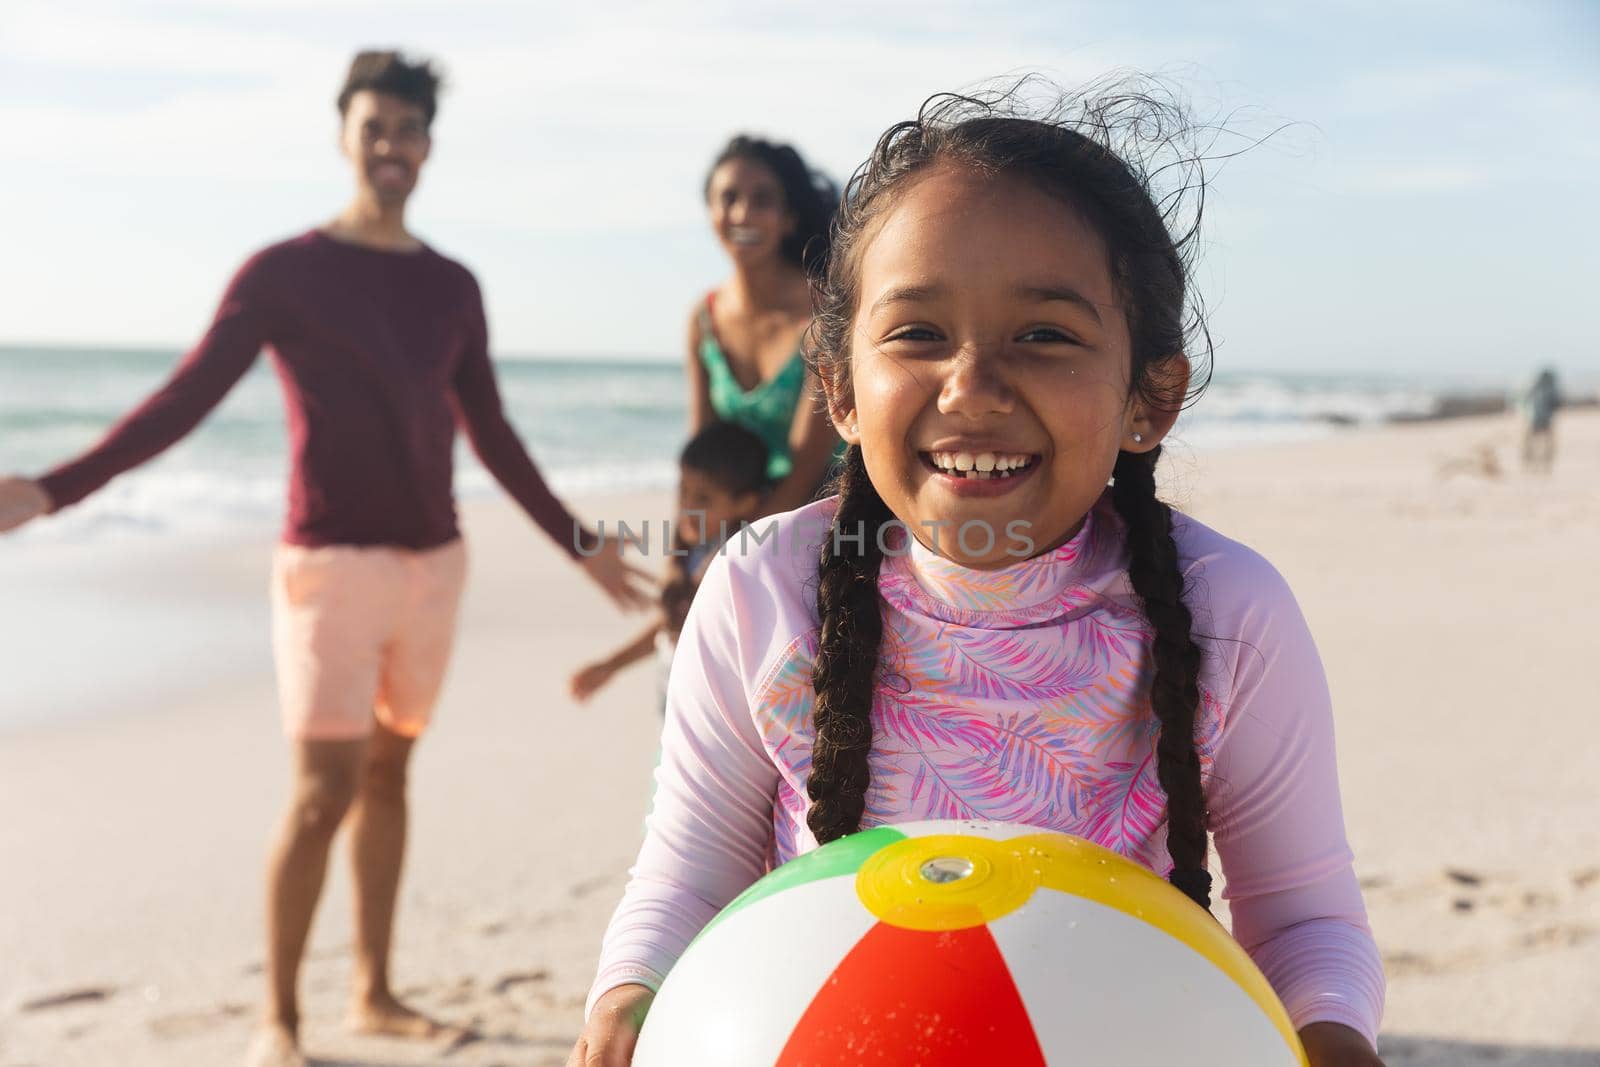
{"points": [[382, 349]]}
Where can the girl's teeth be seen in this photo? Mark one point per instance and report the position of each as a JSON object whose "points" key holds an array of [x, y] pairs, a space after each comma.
{"points": [[978, 465]]}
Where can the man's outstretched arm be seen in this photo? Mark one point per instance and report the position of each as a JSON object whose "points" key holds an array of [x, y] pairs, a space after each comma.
{"points": [[482, 416], [195, 387]]}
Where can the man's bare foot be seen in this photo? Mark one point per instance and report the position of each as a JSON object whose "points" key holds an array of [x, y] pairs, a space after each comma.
{"points": [[387, 1017], [274, 1046]]}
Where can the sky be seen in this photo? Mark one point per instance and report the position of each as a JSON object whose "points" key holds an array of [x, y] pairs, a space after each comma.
{"points": [[1426, 207]]}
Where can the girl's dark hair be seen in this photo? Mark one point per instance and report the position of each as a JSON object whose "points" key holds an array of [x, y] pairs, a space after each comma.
{"points": [[393, 74], [810, 196], [1123, 155], [733, 457]]}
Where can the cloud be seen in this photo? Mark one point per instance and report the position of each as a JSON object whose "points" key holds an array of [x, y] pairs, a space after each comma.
{"points": [[1423, 84], [89, 37], [1412, 178], [152, 141], [616, 115]]}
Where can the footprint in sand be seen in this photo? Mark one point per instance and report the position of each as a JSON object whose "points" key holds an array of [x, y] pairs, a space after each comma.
{"points": [[462, 992], [505, 983], [1461, 877], [68, 998], [1509, 899], [191, 1023], [1469, 893], [1560, 936], [591, 885]]}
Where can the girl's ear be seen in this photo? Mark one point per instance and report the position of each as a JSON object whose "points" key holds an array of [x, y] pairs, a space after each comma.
{"points": [[840, 398], [1155, 408]]}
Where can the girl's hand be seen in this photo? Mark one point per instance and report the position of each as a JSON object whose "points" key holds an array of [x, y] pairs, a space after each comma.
{"points": [[587, 681], [1335, 1045], [613, 1028]]}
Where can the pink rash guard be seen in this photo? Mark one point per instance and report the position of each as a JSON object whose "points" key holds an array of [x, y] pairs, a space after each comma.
{"points": [[1016, 695]]}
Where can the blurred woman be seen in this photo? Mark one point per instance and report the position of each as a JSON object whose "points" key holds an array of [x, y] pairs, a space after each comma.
{"points": [[771, 213]]}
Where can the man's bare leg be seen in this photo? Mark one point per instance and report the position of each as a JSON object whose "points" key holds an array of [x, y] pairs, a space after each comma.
{"points": [[327, 775], [377, 852]]}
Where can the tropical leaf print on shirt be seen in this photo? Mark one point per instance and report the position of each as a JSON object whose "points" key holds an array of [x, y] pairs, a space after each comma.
{"points": [[1003, 664], [1050, 774], [1024, 699]]}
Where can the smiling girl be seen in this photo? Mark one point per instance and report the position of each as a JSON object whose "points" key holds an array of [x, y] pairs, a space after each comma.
{"points": [[1005, 340]]}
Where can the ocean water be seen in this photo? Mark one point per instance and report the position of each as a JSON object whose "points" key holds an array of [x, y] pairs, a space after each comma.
{"points": [[593, 426]]}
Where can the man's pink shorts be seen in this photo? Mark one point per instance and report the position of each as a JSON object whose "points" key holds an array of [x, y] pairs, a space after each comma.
{"points": [[362, 634]]}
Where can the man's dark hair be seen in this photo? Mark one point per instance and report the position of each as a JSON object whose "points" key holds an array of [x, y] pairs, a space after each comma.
{"points": [[393, 74]]}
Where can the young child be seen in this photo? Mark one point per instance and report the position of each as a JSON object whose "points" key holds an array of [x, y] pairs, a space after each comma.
{"points": [[722, 482], [977, 626]]}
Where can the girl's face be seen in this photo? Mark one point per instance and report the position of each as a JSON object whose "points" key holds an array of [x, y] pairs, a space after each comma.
{"points": [[989, 367], [748, 210]]}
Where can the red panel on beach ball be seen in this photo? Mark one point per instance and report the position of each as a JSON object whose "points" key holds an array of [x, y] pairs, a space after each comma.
{"points": [[937, 998]]}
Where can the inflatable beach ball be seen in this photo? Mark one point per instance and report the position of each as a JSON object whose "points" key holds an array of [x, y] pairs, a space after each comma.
{"points": [[965, 944]]}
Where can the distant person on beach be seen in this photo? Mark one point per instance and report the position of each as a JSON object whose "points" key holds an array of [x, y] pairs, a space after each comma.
{"points": [[771, 213], [382, 349], [1539, 403], [997, 617], [722, 483]]}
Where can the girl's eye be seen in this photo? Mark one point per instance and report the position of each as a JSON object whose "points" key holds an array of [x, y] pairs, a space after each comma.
{"points": [[1048, 335], [914, 333]]}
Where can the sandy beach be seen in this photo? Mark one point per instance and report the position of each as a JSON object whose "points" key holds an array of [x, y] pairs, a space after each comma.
{"points": [[1454, 609]]}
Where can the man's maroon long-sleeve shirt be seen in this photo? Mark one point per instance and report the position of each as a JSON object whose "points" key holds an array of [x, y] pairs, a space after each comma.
{"points": [[380, 354]]}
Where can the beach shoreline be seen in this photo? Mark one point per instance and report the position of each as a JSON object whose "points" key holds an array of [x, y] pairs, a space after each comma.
{"points": [[1449, 600]]}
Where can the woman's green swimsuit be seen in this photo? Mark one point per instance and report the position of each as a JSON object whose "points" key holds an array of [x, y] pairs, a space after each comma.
{"points": [[767, 410]]}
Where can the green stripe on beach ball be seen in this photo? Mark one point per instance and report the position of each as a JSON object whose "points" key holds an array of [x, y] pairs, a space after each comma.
{"points": [[833, 860]]}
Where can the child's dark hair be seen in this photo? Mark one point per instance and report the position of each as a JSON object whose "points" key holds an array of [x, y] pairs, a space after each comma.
{"points": [[810, 196], [733, 457], [1107, 152], [393, 74]]}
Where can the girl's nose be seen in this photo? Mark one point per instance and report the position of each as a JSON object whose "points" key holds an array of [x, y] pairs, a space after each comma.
{"points": [[975, 383]]}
